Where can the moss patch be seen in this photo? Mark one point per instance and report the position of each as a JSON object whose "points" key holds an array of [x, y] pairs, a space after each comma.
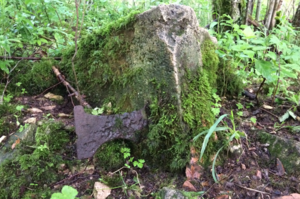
{"points": [[288, 151], [35, 164]]}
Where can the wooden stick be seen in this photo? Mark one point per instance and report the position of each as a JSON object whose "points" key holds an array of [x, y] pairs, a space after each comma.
{"points": [[29, 58], [61, 78]]}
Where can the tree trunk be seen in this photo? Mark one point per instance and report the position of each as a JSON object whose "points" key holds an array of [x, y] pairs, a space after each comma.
{"points": [[296, 19], [258, 7], [228, 7]]}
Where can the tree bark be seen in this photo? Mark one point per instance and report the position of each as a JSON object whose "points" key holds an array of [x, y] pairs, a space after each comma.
{"points": [[258, 8], [296, 19]]}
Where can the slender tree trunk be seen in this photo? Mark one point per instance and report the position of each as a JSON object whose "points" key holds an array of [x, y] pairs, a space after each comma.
{"points": [[258, 7], [249, 10], [296, 19], [268, 17]]}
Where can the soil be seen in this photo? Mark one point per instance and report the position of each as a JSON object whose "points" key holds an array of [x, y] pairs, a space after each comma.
{"points": [[244, 177]]}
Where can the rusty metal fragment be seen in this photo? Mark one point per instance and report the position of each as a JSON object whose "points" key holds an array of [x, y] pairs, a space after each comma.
{"points": [[93, 131]]}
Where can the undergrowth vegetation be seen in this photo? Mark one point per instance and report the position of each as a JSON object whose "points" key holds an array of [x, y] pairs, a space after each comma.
{"points": [[35, 163], [45, 33]]}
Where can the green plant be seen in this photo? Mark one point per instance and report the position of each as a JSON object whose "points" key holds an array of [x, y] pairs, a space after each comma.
{"points": [[136, 163], [67, 192], [97, 111], [230, 133]]}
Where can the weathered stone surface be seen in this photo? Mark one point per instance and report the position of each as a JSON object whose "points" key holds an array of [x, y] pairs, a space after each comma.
{"points": [[26, 135], [167, 43], [93, 131]]}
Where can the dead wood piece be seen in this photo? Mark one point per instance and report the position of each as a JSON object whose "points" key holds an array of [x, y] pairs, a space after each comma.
{"points": [[61, 78], [29, 58]]}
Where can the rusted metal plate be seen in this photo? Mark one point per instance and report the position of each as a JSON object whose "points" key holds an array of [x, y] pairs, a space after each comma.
{"points": [[93, 131]]}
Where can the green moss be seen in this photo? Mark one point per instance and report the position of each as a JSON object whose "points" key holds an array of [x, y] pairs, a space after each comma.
{"points": [[7, 119], [101, 60], [210, 61], [285, 150], [34, 163], [38, 77], [109, 156]]}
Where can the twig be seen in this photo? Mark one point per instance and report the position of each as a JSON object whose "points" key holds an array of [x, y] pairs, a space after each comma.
{"points": [[29, 58], [278, 59], [252, 189], [80, 99], [260, 89], [73, 58], [270, 113], [48, 89]]}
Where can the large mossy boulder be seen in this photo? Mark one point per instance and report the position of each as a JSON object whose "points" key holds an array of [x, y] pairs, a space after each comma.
{"points": [[154, 58]]}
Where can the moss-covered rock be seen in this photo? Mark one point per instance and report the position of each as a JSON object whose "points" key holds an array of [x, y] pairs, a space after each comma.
{"points": [[287, 150], [156, 58], [35, 163]]}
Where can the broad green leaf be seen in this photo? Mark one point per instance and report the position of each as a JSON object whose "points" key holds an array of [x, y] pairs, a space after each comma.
{"points": [[248, 33], [225, 128], [265, 68], [3, 66], [275, 40], [285, 72], [256, 48], [250, 53], [284, 117], [271, 55], [69, 191]]}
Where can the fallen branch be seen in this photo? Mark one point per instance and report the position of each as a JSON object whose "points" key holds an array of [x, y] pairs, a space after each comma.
{"points": [[29, 58], [262, 192], [62, 79]]}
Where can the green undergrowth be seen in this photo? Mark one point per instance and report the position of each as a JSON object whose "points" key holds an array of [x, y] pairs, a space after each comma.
{"points": [[35, 77], [35, 164], [109, 156], [228, 82], [7, 119]]}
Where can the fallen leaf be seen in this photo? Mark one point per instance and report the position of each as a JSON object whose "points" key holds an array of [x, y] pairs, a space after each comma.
{"points": [[222, 197], [292, 196], [196, 171], [243, 167], [34, 110], [48, 108], [189, 186], [205, 184], [3, 138], [31, 120], [279, 168], [188, 173], [16, 143], [267, 107], [258, 174], [64, 115], [53, 96]]}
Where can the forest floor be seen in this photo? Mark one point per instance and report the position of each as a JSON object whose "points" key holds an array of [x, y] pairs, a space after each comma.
{"points": [[249, 177]]}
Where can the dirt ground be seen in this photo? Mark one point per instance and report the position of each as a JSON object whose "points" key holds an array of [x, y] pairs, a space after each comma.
{"points": [[249, 177]]}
